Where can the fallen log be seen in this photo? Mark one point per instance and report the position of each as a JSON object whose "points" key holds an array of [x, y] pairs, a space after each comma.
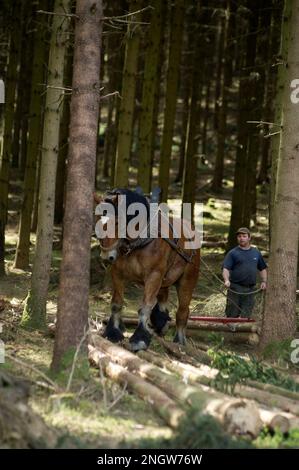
{"points": [[163, 405], [187, 353], [210, 326], [275, 420], [205, 375], [274, 389], [237, 416], [229, 337], [268, 399]]}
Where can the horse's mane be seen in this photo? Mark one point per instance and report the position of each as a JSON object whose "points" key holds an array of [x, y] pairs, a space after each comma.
{"points": [[131, 197]]}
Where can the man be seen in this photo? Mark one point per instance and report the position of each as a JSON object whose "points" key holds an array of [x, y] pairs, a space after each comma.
{"points": [[239, 273]]}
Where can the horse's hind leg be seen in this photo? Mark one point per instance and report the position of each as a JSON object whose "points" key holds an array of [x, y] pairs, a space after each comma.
{"points": [[184, 289], [115, 327], [160, 314], [142, 335]]}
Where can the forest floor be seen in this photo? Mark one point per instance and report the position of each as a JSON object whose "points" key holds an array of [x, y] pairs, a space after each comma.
{"points": [[98, 413]]}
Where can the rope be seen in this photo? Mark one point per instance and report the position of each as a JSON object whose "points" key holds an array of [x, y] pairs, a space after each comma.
{"points": [[221, 282]]}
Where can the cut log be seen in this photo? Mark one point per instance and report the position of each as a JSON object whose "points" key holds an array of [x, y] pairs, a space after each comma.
{"points": [[205, 375], [268, 399], [238, 416], [275, 420], [274, 389], [209, 326], [229, 337], [190, 374], [163, 405], [186, 353]]}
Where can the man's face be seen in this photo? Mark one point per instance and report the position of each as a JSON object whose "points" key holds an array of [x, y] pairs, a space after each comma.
{"points": [[243, 239]]}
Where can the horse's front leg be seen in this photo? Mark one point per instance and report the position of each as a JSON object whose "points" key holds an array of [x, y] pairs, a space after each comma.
{"points": [[143, 333], [115, 327]]}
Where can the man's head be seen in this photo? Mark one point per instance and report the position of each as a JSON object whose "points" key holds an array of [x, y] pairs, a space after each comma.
{"points": [[243, 237]]}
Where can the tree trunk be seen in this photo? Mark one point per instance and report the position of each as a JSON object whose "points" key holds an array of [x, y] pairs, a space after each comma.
{"points": [[246, 91], [148, 97], [175, 46], [72, 313], [11, 82], [63, 144], [127, 106], [221, 117], [279, 319], [34, 131], [34, 314], [280, 87], [256, 112], [190, 163]]}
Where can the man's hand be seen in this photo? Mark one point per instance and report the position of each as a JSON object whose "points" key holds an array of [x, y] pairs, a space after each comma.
{"points": [[227, 284], [263, 285]]}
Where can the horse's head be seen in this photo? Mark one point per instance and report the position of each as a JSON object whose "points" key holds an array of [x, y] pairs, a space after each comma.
{"points": [[112, 221], [106, 226]]}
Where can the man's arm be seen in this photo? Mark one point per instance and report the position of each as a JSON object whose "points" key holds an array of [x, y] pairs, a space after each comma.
{"points": [[225, 274], [263, 274]]}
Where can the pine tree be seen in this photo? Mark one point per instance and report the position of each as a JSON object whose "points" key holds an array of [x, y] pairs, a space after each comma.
{"points": [[74, 281], [34, 314]]}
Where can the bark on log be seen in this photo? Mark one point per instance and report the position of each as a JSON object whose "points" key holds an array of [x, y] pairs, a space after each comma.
{"points": [[187, 354], [279, 397], [268, 399], [237, 416], [274, 389], [201, 325], [236, 338], [165, 407]]}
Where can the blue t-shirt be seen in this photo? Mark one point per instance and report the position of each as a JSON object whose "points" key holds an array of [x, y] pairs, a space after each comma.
{"points": [[243, 265]]}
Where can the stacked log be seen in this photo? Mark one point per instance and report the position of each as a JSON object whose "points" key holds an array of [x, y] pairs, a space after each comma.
{"points": [[162, 404], [237, 415], [284, 414]]}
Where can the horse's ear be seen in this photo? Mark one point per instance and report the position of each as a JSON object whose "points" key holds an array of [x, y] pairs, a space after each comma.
{"points": [[111, 198], [98, 199]]}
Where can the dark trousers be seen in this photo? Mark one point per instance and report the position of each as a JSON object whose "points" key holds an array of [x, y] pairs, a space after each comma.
{"points": [[238, 305]]}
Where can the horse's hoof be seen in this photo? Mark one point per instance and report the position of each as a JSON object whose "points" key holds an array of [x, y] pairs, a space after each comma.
{"points": [[114, 335], [140, 340], [159, 320], [179, 339], [140, 346]]}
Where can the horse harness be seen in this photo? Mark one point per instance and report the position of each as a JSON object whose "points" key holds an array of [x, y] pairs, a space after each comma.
{"points": [[128, 245]]}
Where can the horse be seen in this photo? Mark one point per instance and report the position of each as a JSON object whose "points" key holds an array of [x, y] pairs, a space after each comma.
{"points": [[154, 263]]}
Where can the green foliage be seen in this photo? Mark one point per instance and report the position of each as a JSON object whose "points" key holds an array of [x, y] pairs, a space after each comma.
{"points": [[233, 370], [279, 350], [34, 314], [200, 431], [81, 368], [278, 439], [197, 431]]}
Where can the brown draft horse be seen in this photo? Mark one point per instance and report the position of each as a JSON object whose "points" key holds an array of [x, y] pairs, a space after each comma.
{"points": [[155, 263]]}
